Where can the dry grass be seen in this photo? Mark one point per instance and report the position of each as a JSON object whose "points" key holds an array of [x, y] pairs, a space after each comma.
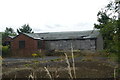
{"points": [[48, 73], [31, 76], [69, 68], [59, 70], [73, 69], [73, 61]]}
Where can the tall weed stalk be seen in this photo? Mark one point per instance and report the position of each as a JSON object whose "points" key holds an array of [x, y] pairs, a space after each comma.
{"points": [[68, 63], [73, 64], [48, 73], [32, 76]]}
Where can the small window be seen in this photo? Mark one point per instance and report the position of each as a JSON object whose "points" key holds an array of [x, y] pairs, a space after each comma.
{"points": [[21, 44]]}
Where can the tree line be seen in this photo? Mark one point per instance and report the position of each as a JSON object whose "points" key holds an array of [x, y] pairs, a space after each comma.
{"points": [[109, 25], [10, 31]]}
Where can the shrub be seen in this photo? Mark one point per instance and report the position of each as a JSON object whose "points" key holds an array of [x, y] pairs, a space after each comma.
{"points": [[35, 55], [113, 57], [5, 50], [39, 53], [54, 53], [104, 53]]}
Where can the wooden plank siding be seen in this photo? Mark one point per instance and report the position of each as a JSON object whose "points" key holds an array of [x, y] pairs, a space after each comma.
{"points": [[87, 44]]}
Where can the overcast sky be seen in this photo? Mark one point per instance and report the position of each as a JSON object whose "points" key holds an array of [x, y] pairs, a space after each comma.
{"points": [[50, 15]]}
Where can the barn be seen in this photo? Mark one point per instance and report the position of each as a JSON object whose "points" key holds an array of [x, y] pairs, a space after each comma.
{"points": [[26, 44]]}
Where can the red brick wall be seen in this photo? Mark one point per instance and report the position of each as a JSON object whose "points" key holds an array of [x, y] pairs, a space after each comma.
{"points": [[30, 46], [7, 39]]}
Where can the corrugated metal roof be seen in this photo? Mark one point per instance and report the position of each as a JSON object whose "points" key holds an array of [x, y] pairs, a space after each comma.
{"points": [[64, 35]]}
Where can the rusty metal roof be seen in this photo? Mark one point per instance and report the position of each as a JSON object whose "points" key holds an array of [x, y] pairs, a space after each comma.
{"points": [[64, 35]]}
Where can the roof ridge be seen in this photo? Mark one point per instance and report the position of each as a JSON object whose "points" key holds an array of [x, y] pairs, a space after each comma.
{"points": [[61, 31]]}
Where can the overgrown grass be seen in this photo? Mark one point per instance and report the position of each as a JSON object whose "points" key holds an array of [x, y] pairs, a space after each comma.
{"points": [[70, 70], [113, 57]]}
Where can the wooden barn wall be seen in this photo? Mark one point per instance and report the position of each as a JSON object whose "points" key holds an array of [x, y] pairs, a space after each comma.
{"points": [[66, 44], [99, 43]]}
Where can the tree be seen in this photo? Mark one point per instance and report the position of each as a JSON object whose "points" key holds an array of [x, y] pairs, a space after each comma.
{"points": [[25, 29], [109, 26], [8, 32]]}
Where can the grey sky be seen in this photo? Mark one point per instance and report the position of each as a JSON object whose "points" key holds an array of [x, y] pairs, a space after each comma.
{"points": [[50, 15]]}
